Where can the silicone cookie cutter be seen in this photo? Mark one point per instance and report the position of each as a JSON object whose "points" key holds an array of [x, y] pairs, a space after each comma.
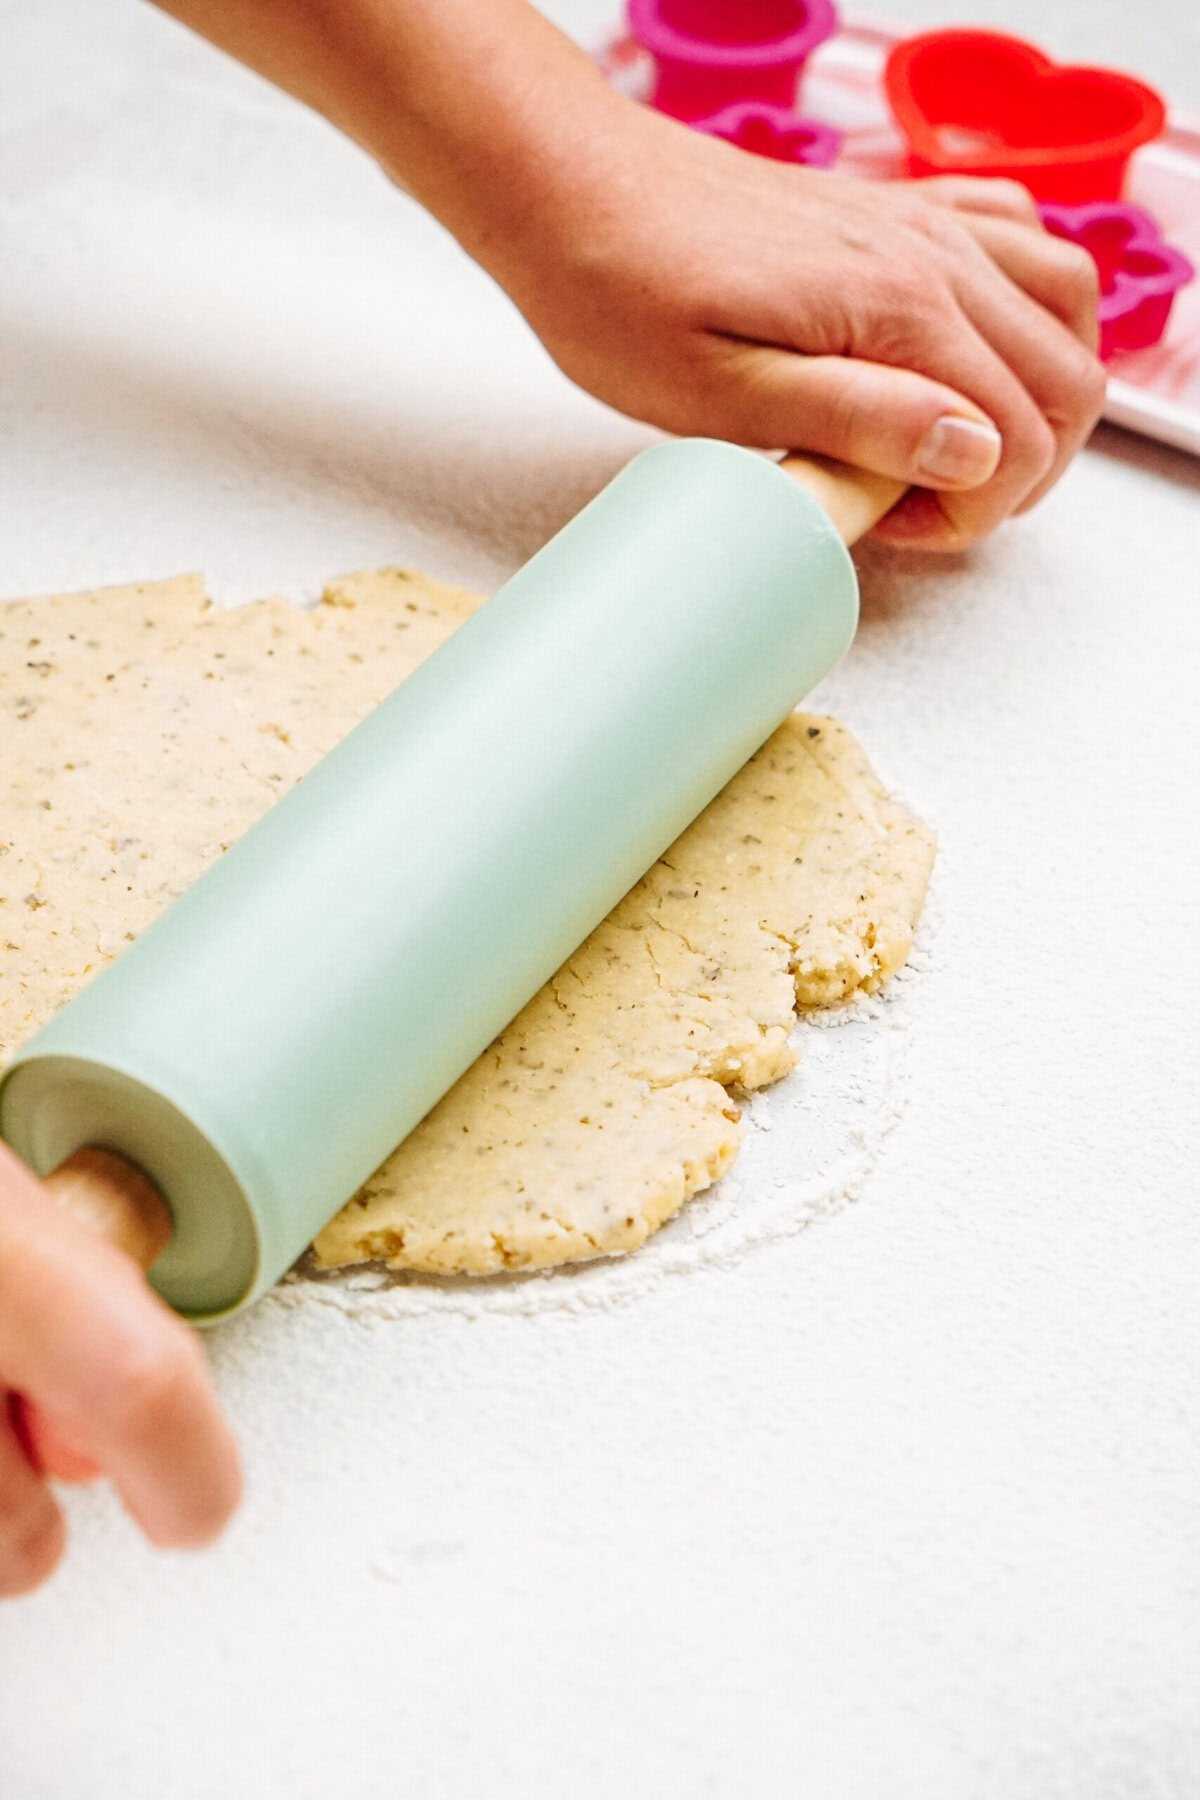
{"points": [[979, 103], [776, 132], [1140, 273], [709, 54]]}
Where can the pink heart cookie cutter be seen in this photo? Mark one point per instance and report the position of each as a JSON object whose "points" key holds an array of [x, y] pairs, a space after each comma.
{"points": [[710, 54], [774, 131], [1140, 273]]}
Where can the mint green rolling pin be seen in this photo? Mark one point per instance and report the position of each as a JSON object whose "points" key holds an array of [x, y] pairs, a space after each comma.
{"points": [[212, 1097]]}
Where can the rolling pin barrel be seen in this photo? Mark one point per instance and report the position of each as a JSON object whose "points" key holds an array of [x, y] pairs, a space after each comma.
{"points": [[268, 1041]]}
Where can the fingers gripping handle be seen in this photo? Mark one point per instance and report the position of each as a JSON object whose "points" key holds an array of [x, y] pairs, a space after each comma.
{"points": [[111, 1197]]}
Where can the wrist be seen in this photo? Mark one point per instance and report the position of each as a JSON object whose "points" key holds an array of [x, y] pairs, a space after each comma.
{"points": [[503, 140], [488, 114]]}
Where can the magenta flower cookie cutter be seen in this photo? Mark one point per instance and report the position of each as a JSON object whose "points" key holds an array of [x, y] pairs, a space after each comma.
{"points": [[710, 54], [774, 131], [1140, 273]]}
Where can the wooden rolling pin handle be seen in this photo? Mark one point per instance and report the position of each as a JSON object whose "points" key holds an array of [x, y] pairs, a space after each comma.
{"points": [[855, 499], [116, 1200]]}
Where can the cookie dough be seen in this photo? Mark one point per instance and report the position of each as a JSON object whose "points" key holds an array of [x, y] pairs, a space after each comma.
{"points": [[145, 729]]}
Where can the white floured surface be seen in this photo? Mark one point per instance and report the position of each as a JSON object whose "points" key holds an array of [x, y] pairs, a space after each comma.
{"points": [[899, 1507]]}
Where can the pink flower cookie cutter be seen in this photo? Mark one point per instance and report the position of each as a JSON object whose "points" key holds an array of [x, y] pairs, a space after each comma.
{"points": [[1140, 273], [710, 54], [776, 132]]}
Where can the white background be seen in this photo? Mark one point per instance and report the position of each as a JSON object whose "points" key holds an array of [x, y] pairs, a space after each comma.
{"points": [[904, 1506]]}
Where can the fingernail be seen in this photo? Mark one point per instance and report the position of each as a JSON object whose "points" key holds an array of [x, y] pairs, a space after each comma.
{"points": [[964, 451]]}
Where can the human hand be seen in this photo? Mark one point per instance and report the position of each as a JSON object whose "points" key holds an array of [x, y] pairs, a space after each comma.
{"points": [[713, 292], [111, 1382], [930, 331]]}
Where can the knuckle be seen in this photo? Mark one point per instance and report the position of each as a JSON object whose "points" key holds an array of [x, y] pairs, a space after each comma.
{"points": [[1094, 386], [999, 195], [1083, 384], [1040, 446], [916, 213], [1079, 272], [948, 232], [909, 290], [816, 317], [1016, 200], [935, 224], [909, 321], [953, 190], [841, 406]]}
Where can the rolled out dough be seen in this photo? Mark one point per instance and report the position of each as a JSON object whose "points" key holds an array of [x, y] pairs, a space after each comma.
{"points": [[145, 729]]}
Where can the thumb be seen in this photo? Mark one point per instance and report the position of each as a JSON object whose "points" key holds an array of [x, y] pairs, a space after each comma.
{"points": [[892, 421]]}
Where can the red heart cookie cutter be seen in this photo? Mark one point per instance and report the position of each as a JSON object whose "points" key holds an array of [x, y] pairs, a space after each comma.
{"points": [[980, 103]]}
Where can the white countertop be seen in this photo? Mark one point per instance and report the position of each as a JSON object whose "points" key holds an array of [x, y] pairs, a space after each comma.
{"points": [[901, 1506]]}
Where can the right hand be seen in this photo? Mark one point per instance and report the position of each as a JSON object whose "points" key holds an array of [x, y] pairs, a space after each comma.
{"points": [[717, 293], [930, 331], [110, 1382]]}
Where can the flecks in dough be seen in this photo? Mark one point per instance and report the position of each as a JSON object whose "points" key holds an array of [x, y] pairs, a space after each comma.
{"points": [[149, 729]]}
